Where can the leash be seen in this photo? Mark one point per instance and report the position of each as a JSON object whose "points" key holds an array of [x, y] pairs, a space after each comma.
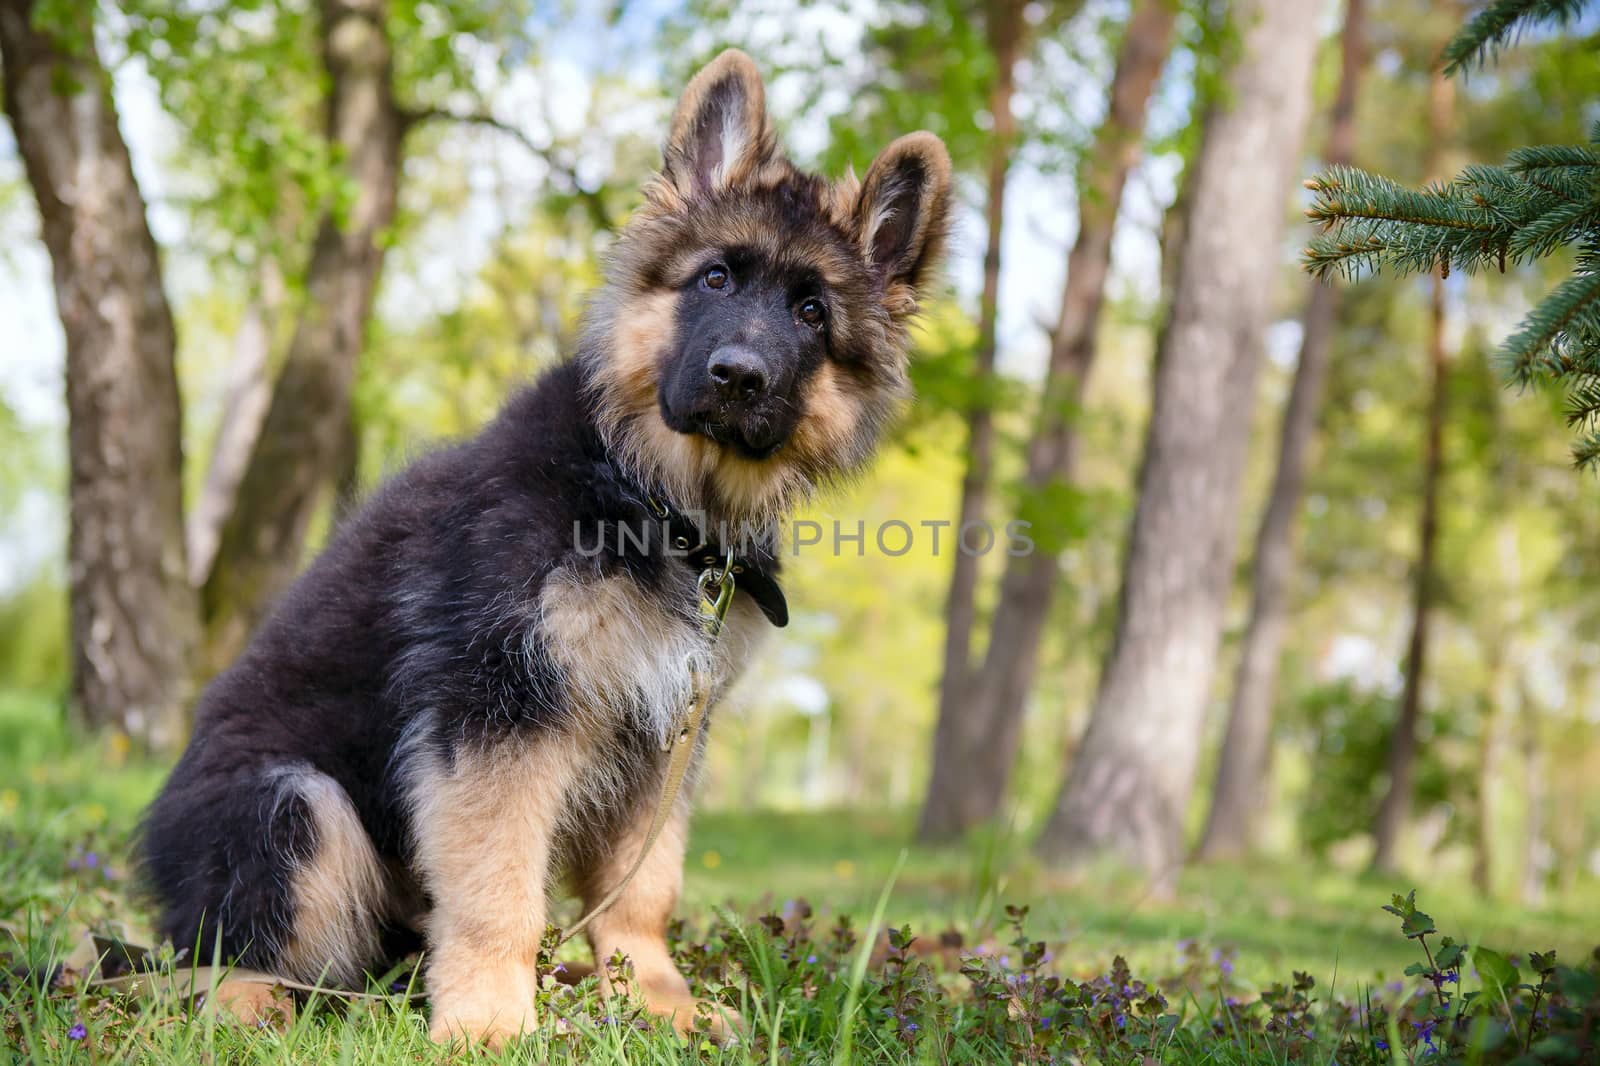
{"points": [[716, 595]]}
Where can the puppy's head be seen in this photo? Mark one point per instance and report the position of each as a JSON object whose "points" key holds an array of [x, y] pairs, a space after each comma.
{"points": [[750, 342]]}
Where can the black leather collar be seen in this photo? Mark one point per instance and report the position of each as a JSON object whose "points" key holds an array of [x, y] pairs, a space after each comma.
{"points": [[755, 565]]}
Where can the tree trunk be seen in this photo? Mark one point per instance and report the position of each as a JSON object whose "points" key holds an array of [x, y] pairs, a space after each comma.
{"points": [[1131, 780], [134, 620], [1496, 697], [300, 441], [1004, 32], [977, 744], [1531, 887], [1395, 810], [1504, 674], [1239, 794], [244, 408]]}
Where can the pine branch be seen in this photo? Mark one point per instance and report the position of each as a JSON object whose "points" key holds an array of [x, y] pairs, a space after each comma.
{"points": [[1545, 199], [1583, 405], [1535, 349], [1497, 23], [1370, 221], [1541, 156], [1553, 230], [1586, 453]]}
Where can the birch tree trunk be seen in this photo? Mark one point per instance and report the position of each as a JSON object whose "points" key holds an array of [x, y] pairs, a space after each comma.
{"points": [[1239, 792], [134, 619], [977, 740], [1129, 785], [262, 541], [244, 408]]}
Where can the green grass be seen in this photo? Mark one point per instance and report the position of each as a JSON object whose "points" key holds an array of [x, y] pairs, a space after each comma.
{"points": [[63, 800]]}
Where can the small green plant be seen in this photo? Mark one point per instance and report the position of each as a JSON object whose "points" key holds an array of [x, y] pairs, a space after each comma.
{"points": [[1553, 1016]]}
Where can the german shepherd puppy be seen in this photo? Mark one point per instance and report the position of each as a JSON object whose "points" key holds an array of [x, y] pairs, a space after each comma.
{"points": [[467, 696]]}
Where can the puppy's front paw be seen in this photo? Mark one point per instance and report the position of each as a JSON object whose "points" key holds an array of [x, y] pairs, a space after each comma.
{"points": [[692, 1018], [479, 1000], [725, 1027], [493, 1030]]}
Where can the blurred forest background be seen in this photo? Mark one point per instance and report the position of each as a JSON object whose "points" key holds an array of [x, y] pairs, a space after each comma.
{"points": [[1313, 583]]}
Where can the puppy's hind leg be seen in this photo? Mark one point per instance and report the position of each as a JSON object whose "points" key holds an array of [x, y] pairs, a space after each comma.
{"points": [[268, 863], [338, 893]]}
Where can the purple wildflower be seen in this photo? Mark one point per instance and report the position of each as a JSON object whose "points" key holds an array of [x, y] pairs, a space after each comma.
{"points": [[78, 1031], [811, 959]]}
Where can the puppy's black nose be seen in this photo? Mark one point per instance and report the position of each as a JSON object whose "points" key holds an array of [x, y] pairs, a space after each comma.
{"points": [[738, 372]]}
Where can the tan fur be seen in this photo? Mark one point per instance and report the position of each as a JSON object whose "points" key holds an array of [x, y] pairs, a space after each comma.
{"points": [[255, 1004], [628, 379], [636, 925], [829, 432], [337, 892], [485, 829], [618, 647]]}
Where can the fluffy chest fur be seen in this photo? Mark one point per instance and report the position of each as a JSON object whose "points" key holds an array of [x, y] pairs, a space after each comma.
{"points": [[623, 650]]}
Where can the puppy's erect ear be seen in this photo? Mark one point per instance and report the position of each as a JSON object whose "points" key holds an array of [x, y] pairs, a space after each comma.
{"points": [[904, 211], [720, 133]]}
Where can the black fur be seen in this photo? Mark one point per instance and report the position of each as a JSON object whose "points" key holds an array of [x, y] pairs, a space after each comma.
{"points": [[412, 608], [752, 325]]}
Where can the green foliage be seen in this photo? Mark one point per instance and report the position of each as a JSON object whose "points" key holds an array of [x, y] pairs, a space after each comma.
{"points": [[248, 80], [33, 634], [1505, 1019], [1348, 730], [1544, 200], [1499, 21], [263, 167], [818, 989]]}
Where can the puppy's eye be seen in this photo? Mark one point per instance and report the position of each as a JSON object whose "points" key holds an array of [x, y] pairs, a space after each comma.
{"points": [[716, 277], [812, 312]]}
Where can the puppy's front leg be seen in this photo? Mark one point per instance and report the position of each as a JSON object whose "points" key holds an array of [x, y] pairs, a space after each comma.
{"points": [[636, 924], [484, 829]]}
